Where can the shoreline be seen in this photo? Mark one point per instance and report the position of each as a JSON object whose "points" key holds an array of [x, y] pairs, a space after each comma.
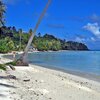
{"points": [[44, 84], [89, 76], [77, 76]]}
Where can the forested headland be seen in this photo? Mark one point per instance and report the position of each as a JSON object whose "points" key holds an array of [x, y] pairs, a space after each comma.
{"points": [[13, 39]]}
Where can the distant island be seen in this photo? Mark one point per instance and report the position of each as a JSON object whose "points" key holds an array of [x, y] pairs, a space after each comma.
{"points": [[12, 39]]}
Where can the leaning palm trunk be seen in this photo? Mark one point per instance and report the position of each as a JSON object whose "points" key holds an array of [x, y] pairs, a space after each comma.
{"points": [[2, 11], [23, 58]]}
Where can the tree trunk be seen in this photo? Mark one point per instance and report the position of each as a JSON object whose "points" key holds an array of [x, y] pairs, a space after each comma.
{"points": [[22, 61]]}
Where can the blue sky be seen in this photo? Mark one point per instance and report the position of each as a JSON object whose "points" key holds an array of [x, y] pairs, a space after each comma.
{"points": [[77, 20]]}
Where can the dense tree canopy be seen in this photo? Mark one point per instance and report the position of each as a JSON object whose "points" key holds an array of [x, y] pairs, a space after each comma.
{"points": [[6, 45], [13, 39]]}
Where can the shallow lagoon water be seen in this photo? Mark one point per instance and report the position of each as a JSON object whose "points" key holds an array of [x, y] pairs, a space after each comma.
{"points": [[79, 61], [82, 61]]}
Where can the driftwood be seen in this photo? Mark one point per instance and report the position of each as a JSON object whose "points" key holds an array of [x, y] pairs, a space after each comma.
{"points": [[11, 77], [26, 80], [12, 67]]}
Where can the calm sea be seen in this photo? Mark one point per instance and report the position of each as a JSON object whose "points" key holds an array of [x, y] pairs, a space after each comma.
{"points": [[80, 61]]}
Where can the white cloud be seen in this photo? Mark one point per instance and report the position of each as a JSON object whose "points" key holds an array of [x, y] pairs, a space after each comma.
{"points": [[93, 39], [78, 39], [94, 18], [93, 28]]}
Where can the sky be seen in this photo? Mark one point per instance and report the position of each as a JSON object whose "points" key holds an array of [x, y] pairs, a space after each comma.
{"points": [[73, 20]]}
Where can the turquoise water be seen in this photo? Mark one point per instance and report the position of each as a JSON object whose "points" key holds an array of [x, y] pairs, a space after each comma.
{"points": [[82, 61]]}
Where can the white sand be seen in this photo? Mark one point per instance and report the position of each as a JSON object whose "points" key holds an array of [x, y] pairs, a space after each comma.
{"points": [[47, 84], [4, 89], [4, 94]]}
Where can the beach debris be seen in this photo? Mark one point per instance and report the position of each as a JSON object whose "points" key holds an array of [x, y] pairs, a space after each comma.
{"points": [[35, 80], [26, 80], [50, 98], [12, 67], [12, 77]]}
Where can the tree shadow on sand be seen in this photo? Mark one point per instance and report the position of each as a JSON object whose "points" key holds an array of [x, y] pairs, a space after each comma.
{"points": [[2, 95], [8, 77], [4, 85], [7, 85]]}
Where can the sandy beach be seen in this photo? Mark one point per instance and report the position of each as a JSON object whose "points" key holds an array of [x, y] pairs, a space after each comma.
{"points": [[38, 83]]}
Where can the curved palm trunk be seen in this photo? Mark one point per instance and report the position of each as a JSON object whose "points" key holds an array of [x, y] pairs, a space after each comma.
{"points": [[23, 58], [2, 11]]}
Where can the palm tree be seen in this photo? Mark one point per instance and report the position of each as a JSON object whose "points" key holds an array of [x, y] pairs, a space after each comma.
{"points": [[20, 35], [2, 11], [30, 32], [23, 59]]}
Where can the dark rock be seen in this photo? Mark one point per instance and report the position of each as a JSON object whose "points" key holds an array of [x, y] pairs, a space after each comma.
{"points": [[26, 80], [12, 77], [35, 80]]}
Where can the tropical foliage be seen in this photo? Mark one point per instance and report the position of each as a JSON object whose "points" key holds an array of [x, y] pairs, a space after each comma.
{"points": [[13, 39], [6, 45], [2, 67], [46, 43]]}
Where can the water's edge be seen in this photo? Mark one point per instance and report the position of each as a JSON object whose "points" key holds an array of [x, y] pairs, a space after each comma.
{"points": [[76, 73], [73, 72]]}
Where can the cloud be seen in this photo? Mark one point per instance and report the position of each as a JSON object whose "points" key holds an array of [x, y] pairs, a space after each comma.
{"points": [[92, 39], [80, 36], [88, 39], [78, 39], [60, 26], [94, 18], [93, 28]]}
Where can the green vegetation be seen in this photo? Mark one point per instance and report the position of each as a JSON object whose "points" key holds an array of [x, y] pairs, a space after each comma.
{"points": [[2, 67], [15, 40], [46, 43], [11, 63], [6, 45], [12, 39]]}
